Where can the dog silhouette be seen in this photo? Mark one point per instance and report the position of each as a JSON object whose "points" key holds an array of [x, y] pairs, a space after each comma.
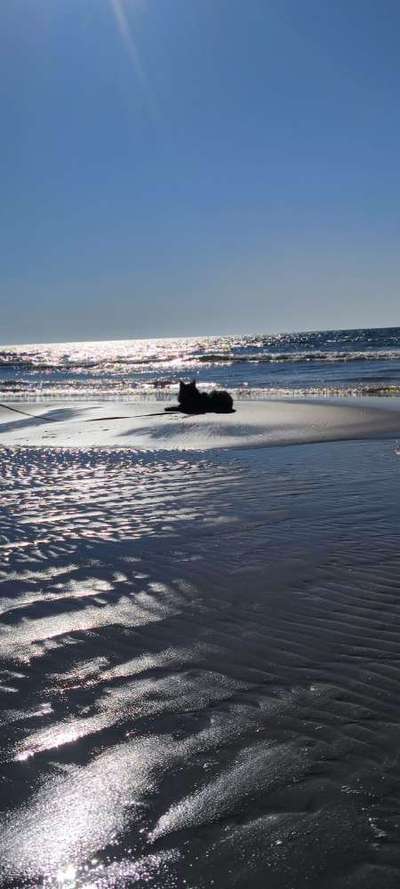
{"points": [[191, 401]]}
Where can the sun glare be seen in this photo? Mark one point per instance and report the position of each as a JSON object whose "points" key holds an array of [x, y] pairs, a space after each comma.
{"points": [[125, 30]]}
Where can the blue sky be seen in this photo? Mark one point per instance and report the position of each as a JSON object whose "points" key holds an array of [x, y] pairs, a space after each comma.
{"points": [[198, 166]]}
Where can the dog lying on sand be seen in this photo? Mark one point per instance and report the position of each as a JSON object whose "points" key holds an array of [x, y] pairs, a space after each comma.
{"points": [[191, 401]]}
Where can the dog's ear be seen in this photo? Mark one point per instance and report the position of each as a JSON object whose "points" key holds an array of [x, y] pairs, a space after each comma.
{"points": [[193, 382]]}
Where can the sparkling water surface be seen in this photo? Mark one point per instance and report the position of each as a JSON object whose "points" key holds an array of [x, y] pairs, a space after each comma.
{"points": [[347, 362], [199, 669]]}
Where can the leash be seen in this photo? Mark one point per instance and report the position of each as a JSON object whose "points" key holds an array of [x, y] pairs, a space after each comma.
{"points": [[17, 411], [131, 416]]}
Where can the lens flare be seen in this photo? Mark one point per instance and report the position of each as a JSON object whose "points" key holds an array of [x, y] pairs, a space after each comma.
{"points": [[125, 30]]}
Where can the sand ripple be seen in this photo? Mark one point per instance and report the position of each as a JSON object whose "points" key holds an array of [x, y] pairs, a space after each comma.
{"points": [[199, 669]]}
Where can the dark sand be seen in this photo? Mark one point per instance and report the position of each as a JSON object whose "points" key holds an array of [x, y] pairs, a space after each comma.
{"points": [[200, 668]]}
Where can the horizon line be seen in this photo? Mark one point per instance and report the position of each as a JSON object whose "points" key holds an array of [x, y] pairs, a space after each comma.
{"points": [[120, 339]]}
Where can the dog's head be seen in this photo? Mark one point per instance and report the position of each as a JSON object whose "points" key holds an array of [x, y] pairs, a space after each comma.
{"points": [[187, 391]]}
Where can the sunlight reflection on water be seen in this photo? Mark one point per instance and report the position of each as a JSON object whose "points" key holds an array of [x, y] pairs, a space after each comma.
{"points": [[191, 698]]}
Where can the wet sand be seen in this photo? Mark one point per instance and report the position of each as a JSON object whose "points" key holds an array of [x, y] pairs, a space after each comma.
{"points": [[200, 664]]}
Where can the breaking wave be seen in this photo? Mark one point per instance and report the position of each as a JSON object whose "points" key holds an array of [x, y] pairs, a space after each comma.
{"points": [[8, 360], [322, 363]]}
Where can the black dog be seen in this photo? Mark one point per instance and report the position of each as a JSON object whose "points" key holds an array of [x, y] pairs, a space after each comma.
{"points": [[191, 401]]}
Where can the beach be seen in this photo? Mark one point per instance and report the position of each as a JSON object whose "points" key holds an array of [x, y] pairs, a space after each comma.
{"points": [[199, 445], [199, 646], [145, 425]]}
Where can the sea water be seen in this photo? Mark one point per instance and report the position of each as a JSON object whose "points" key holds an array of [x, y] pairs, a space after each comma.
{"points": [[336, 362]]}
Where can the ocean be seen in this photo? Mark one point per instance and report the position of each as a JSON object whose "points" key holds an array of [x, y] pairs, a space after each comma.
{"points": [[335, 362]]}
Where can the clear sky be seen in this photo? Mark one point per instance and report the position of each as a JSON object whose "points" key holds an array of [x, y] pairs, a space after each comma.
{"points": [[198, 166]]}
